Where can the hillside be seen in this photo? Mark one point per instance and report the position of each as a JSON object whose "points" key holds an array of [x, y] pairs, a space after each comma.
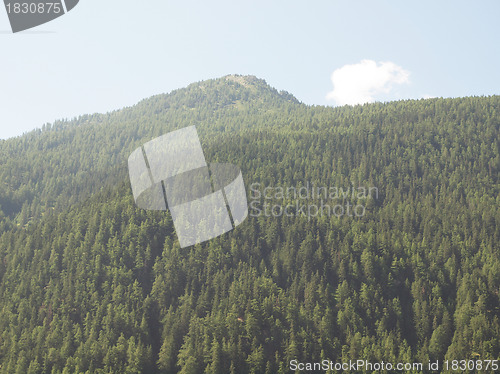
{"points": [[67, 161], [89, 283]]}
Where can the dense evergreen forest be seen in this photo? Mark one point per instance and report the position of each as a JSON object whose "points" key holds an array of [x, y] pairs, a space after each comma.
{"points": [[89, 283]]}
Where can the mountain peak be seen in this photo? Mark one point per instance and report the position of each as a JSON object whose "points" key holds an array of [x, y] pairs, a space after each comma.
{"points": [[245, 80], [230, 90]]}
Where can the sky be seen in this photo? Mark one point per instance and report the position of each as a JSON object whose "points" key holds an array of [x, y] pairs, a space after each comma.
{"points": [[105, 55]]}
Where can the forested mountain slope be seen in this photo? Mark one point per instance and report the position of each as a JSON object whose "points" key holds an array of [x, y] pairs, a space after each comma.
{"points": [[67, 161], [90, 283]]}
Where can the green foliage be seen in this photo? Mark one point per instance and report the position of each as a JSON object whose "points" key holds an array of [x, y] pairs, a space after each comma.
{"points": [[92, 284]]}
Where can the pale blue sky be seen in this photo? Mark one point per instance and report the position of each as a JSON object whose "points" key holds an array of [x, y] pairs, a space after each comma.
{"points": [[104, 55]]}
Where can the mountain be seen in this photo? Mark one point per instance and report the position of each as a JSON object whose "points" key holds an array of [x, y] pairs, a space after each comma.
{"points": [[89, 283], [69, 160]]}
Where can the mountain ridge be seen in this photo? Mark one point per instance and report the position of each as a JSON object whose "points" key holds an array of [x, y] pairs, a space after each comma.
{"points": [[90, 283], [98, 145]]}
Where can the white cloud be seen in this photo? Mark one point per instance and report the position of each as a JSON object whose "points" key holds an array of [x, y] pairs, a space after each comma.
{"points": [[363, 82]]}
